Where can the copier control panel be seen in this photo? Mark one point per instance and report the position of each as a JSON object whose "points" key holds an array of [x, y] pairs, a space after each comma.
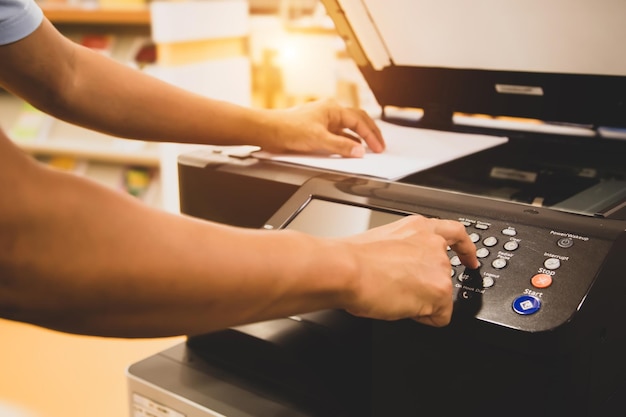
{"points": [[529, 276], [536, 265]]}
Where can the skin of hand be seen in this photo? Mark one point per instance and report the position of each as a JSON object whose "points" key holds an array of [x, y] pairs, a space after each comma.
{"points": [[319, 127], [83, 87], [411, 255], [81, 258]]}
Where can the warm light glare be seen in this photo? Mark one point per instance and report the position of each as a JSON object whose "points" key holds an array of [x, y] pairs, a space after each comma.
{"points": [[307, 65], [287, 52]]}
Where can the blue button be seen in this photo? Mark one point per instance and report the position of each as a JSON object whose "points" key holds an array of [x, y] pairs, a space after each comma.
{"points": [[526, 304]]}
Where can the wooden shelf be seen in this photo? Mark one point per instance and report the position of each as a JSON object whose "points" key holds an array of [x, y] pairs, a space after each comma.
{"points": [[60, 14]]}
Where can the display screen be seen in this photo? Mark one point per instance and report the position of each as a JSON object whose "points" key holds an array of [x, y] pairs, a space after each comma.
{"points": [[331, 219]]}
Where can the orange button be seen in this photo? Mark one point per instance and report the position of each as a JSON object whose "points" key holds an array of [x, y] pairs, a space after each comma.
{"points": [[541, 281]]}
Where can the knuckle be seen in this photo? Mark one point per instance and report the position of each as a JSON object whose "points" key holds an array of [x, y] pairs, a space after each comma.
{"points": [[443, 288]]}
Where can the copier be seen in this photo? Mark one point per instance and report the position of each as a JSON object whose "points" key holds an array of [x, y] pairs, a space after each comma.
{"points": [[539, 329]]}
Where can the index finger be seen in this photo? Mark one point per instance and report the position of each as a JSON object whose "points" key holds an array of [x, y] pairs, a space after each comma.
{"points": [[363, 125], [457, 238]]}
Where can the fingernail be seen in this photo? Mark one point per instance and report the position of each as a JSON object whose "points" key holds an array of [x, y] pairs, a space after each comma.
{"points": [[357, 152]]}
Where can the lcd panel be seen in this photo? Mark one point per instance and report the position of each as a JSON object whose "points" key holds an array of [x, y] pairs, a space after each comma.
{"points": [[331, 219]]}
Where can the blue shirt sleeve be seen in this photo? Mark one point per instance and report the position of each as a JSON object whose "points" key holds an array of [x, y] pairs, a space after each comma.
{"points": [[18, 19]]}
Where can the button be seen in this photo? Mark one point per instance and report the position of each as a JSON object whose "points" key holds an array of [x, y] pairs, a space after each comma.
{"points": [[465, 223], [452, 272], [526, 305], [552, 263], [499, 263], [541, 280], [490, 241], [511, 245], [464, 277], [481, 226], [509, 232], [565, 242], [474, 237], [488, 282], [482, 253], [455, 261]]}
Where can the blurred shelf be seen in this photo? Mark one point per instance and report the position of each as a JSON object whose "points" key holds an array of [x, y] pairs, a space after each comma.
{"points": [[64, 139], [102, 153], [65, 14]]}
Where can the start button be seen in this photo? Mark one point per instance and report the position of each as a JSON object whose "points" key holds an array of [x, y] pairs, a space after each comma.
{"points": [[526, 304]]}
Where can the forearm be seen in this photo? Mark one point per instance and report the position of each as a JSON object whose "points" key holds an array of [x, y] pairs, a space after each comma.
{"points": [[83, 87], [89, 260], [134, 105], [88, 89]]}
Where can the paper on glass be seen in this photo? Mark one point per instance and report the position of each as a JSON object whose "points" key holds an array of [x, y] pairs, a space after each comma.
{"points": [[409, 150]]}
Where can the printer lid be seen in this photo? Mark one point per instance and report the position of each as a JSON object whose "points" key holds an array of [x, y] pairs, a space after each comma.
{"points": [[558, 61]]}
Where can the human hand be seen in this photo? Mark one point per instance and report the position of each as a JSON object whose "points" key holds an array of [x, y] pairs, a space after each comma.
{"points": [[319, 127], [405, 271]]}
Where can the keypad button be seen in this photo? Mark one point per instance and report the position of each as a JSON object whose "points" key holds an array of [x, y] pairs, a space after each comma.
{"points": [[526, 305], [509, 231], [488, 282], [482, 253], [499, 263], [490, 241], [463, 277], [481, 226], [552, 263], [455, 261], [474, 237], [565, 242], [511, 245]]}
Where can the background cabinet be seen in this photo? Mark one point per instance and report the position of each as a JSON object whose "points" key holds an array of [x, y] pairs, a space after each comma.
{"points": [[128, 165]]}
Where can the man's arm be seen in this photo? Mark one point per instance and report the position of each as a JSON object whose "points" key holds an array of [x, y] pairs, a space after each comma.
{"points": [[83, 87], [82, 258]]}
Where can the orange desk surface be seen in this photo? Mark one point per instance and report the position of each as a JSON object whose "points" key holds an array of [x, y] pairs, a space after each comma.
{"points": [[52, 374]]}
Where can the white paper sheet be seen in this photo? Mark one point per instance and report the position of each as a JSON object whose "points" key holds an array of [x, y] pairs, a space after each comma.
{"points": [[409, 150]]}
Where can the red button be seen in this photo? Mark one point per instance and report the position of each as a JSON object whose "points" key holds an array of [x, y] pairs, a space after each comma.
{"points": [[541, 281]]}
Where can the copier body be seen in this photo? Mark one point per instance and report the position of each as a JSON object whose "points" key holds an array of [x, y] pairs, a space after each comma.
{"points": [[546, 203]]}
